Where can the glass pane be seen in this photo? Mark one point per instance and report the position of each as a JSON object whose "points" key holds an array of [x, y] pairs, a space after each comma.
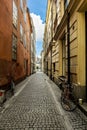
{"points": [[15, 15]]}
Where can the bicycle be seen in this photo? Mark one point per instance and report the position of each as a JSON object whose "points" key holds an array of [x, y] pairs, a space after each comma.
{"points": [[68, 100]]}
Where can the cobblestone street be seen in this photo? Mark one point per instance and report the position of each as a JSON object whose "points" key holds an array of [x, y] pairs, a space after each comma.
{"points": [[37, 107]]}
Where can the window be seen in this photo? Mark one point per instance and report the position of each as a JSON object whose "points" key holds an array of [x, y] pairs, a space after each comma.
{"points": [[25, 14], [65, 4], [25, 64], [14, 47], [24, 40], [21, 4], [21, 32], [15, 14], [53, 67]]}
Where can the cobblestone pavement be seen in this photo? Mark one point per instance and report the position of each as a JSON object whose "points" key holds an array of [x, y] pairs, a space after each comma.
{"points": [[77, 119], [37, 107]]}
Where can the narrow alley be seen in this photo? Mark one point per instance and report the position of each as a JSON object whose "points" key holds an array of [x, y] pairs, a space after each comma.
{"points": [[36, 106]]}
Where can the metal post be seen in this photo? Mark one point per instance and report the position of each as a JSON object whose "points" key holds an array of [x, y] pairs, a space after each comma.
{"points": [[86, 53], [51, 40], [51, 64], [68, 44]]}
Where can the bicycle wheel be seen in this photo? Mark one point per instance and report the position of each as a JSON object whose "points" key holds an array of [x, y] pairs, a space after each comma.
{"points": [[68, 104]]}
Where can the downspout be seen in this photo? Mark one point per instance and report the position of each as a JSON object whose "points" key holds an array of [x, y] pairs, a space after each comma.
{"points": [[30, 58], [68, 43], [51, 64], [86, 53], [51, 41], [47, 66]]}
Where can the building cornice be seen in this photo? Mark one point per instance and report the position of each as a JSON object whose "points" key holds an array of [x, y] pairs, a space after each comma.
{"points": [[70, 9]]}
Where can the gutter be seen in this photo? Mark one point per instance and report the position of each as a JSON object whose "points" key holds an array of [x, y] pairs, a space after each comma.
{"points": [[68, 45]]}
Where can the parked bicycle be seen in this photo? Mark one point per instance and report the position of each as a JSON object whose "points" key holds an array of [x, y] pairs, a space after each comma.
{"points": [[68, 100]]}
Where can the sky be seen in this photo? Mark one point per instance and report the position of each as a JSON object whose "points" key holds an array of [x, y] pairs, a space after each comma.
{"points": [[38, 13]]}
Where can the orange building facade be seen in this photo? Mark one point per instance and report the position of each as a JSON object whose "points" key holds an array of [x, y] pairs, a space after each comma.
{"points": [[15, 40]]}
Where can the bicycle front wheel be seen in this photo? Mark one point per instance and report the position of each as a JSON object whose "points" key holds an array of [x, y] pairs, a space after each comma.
{"points": [[68, 104]]}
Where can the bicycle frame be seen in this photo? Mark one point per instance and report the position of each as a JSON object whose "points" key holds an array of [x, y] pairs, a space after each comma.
{"points": [[67, 97]]}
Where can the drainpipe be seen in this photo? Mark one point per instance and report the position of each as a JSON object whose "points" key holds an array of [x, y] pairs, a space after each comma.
{"points": [[51, 41], [68, 43], [86, 53], [51, 64], [46, 65]]}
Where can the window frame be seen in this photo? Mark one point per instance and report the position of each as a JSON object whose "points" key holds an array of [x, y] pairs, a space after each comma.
{"points": [[15, 15], [14, 47], [66, 2], [21, 5], [21, 32], [24, 13], [24, 42]]}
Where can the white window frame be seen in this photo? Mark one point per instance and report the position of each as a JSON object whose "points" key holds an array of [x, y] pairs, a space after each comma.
{"points": [[21, 32], [24, 14], [15, 14], [21, 4]]}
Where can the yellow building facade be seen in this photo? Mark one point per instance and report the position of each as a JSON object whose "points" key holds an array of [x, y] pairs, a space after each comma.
{"points": [[65, 45]]}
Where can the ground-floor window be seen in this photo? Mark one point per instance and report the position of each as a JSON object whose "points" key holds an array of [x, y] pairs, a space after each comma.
{"points": [[53, 67], [14, 47]]}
